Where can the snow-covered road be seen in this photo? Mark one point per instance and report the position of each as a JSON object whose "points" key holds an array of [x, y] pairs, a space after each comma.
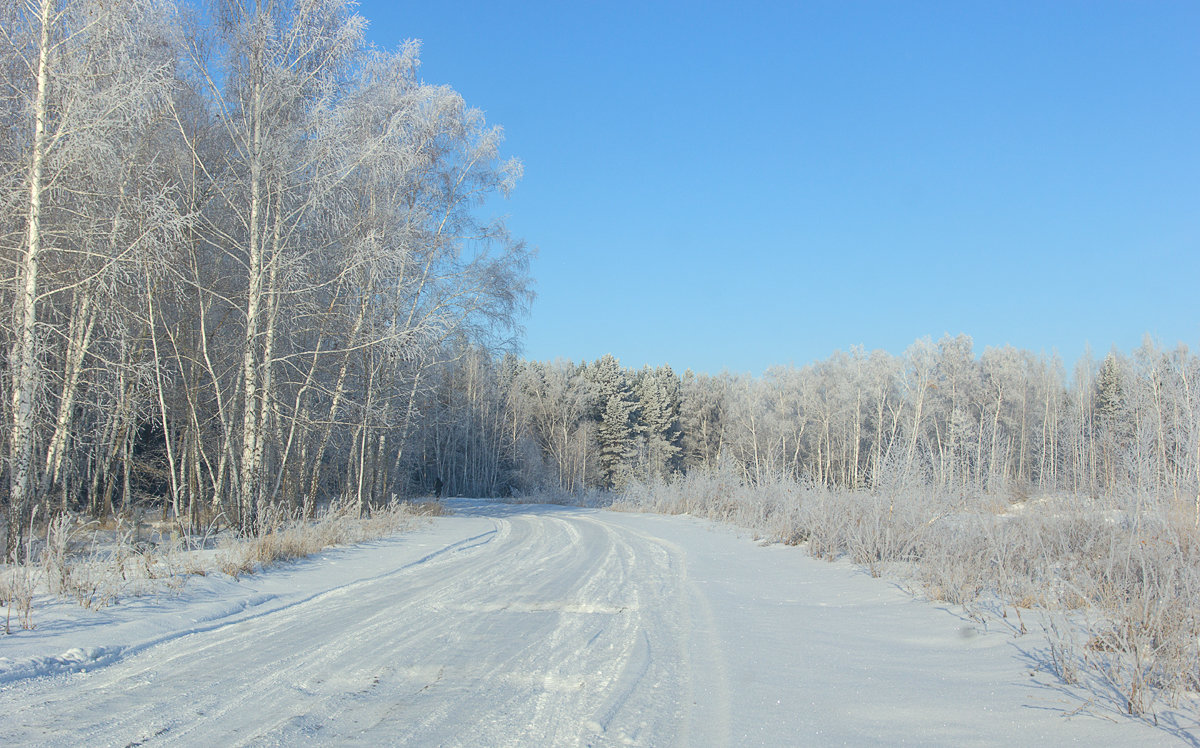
{"points": [[539, 626]]}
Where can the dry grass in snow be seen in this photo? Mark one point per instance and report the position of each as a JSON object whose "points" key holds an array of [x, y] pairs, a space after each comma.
{"points": [[96, 566]]}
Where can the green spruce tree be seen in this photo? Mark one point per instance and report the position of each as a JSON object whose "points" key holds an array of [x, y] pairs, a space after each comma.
{"points": [[658, 395], [1111, 428], [617, 429]]}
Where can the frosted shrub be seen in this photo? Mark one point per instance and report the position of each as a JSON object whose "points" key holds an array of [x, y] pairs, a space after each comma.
{"points": [[823, 523], [1145, 594], [61, 535], [882, 531], [770, 509], [18, 585], [74, 566], [955, 564]]}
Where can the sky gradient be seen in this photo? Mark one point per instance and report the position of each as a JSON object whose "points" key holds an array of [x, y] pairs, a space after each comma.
{"points": [[735, 185]]}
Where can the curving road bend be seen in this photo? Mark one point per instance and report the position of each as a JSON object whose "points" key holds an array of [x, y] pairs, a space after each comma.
{"points": [[535, 625]]}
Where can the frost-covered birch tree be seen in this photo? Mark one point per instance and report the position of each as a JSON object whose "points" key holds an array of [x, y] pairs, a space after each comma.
{"points": [[239, 240], [84, 82]]}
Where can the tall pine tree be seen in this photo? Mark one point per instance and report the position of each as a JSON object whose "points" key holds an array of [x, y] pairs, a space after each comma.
{"points": [[617, 430], [658, 393]]}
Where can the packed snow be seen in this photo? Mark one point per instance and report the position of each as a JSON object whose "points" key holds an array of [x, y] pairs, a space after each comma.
{"points": [[514, 625]]}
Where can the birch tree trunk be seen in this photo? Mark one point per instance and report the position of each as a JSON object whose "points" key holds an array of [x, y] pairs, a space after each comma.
{"points": [[23, 355]]}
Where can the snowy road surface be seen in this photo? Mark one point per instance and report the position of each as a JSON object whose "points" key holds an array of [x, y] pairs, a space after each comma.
{"points": [[539, 626]]}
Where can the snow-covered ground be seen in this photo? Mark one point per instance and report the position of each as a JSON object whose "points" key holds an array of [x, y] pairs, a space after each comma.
{"points": [[540, 625]]}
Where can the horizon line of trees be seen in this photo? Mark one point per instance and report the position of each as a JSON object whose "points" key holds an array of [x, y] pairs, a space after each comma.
{"points": [[237, 240], [1007, 421]]}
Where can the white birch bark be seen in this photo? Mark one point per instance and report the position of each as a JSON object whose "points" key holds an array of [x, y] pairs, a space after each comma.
{"points": [[23, 356]]}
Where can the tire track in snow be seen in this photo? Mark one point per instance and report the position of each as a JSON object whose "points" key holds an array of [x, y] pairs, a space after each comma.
{"points": [[244, 641], [255, 607], [705, 703], [553, 627]]}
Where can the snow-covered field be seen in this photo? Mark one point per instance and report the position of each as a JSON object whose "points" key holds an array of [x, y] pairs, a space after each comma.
{"points": [[541, 625]]}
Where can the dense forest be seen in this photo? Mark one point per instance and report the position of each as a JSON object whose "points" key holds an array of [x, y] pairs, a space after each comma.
{"points": [[1004, 422]]}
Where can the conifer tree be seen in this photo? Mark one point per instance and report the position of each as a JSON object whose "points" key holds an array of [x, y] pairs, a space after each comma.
{"points": [[658, 393], [1108, 400], [1111, 426], [616, 431]]}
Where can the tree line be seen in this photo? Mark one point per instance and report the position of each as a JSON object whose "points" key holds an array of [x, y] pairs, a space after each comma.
{"points": [[1006, 421], [246, 272], [238, 241]]}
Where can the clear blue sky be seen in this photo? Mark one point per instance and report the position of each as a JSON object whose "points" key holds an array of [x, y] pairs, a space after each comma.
{"points": [[739, 184]]}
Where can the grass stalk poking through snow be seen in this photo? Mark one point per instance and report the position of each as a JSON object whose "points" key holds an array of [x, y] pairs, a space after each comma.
{"points": [[96, 566]]}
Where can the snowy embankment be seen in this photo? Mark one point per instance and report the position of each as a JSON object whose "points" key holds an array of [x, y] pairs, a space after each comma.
{"points": [[540, 625]]}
